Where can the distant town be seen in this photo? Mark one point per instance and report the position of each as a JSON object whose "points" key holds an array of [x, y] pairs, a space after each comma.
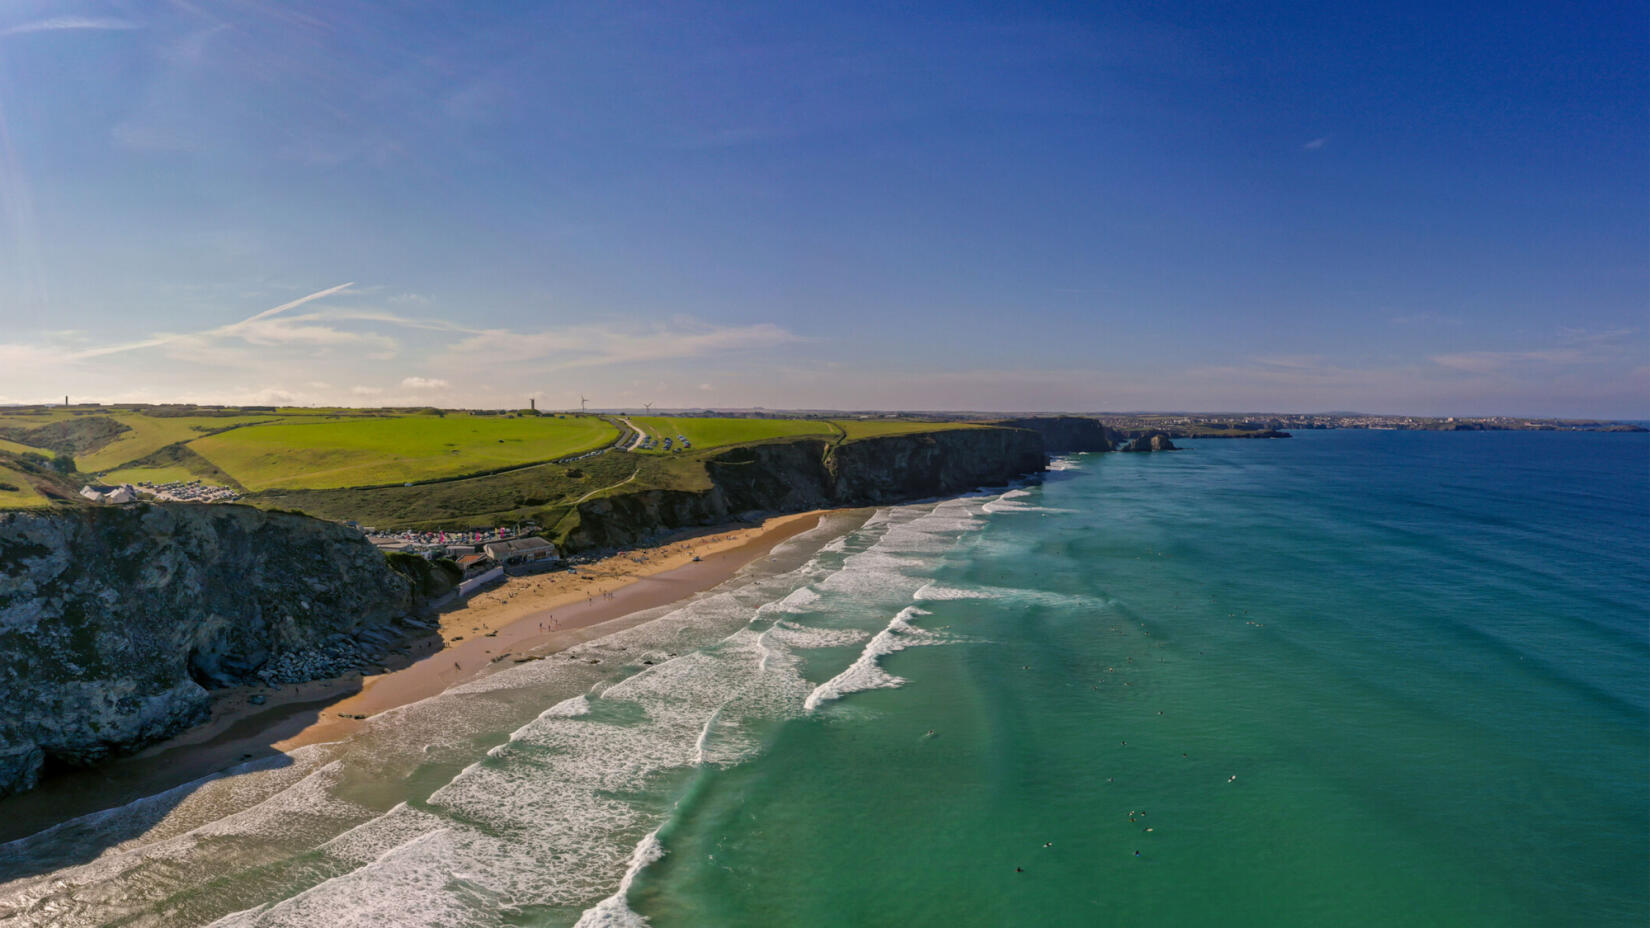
{"points": [[1199, 424]]}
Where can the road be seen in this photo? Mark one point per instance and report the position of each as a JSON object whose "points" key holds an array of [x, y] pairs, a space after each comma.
{"points": [[640, 435]]}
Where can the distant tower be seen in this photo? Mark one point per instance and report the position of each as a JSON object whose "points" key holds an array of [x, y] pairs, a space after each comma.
{"points": [[65, 399], [532, 404]]}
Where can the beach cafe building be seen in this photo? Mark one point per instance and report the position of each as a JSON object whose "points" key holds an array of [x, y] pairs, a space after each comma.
{"points": [[520, 551]]}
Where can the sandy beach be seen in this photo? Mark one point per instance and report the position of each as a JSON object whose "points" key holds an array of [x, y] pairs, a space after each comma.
{"points": [[521, 619], [529, 617]]}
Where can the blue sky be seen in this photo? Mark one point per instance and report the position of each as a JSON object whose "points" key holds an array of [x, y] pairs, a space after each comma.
{"points": [[1394, 207]]}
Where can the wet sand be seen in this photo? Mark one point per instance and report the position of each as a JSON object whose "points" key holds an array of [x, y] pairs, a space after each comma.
{"points": [[521, 619], [531, 617]]}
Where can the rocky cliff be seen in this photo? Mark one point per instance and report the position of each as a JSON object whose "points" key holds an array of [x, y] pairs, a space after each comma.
{"points": [[1157, 441], [811, 474], [1066, 434], [115, 620]]}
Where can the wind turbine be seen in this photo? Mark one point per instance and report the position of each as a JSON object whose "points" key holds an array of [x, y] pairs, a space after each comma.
{"points": [[648, 406], [582, 402]]}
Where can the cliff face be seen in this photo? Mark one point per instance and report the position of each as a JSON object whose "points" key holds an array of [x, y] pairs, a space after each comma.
{"points": [[1157, 441], [1066, 434], [113, 620], [811, 474], [898, 467]]}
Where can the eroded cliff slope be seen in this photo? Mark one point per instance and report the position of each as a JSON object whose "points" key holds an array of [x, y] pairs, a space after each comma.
{"points": [[114, 620], [790, 476], [1066, 434]]}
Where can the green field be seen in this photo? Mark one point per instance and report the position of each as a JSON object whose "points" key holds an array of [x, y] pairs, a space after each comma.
{"points": [[354, 464], [173, 473], [145, 434], [32, 421], [150, 434], [16, 448], [871, 428], [706, 433], [23, 497], [369, 451]]}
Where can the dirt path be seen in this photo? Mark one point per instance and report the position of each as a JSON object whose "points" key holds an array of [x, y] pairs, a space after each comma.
{"points": [[611, 486]]}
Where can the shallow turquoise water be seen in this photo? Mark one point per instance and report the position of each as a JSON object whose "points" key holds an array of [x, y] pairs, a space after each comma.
{"points": [[1353, 678], [1422, 657]]}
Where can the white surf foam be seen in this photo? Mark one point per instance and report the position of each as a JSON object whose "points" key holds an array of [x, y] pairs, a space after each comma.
{"points": [[933, 590], [866, 673], [615, 910], [805, 637], [1011, 502], [568, 708]]}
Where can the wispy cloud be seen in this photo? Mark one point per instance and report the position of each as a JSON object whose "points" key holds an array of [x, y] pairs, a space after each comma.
{"points": [[1316, 143], [62, 23], [1425, 319], [343, 344], [593, 344], [1491, 362], [145, 138], [1573, 347], [253, 328]]}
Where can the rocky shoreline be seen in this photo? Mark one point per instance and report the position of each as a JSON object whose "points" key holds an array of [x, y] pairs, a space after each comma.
{"points": [[117, 621]]}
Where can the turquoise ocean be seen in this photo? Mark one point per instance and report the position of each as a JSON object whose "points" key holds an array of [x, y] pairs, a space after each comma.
{"points": [[1351, 678]]}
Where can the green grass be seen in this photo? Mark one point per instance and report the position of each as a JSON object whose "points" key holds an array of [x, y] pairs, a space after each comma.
{"points": [[356, 452], [24, 496], [150, 434], [15, 420], [871, 428], [17, 448], [541, 493], [172, 474], [707, 433]]}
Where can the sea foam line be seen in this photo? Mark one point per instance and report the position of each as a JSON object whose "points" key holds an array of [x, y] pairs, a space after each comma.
{"points": [[615, 910], [865, 673]]}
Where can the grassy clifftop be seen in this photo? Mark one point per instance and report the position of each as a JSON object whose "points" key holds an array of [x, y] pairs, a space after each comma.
{"points": [[330, 453], [397, 469]]}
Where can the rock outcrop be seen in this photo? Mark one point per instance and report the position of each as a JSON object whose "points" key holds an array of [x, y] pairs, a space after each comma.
{"points": [[1066, 434], [115, 621], [811, 474], [1157, 441]]}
